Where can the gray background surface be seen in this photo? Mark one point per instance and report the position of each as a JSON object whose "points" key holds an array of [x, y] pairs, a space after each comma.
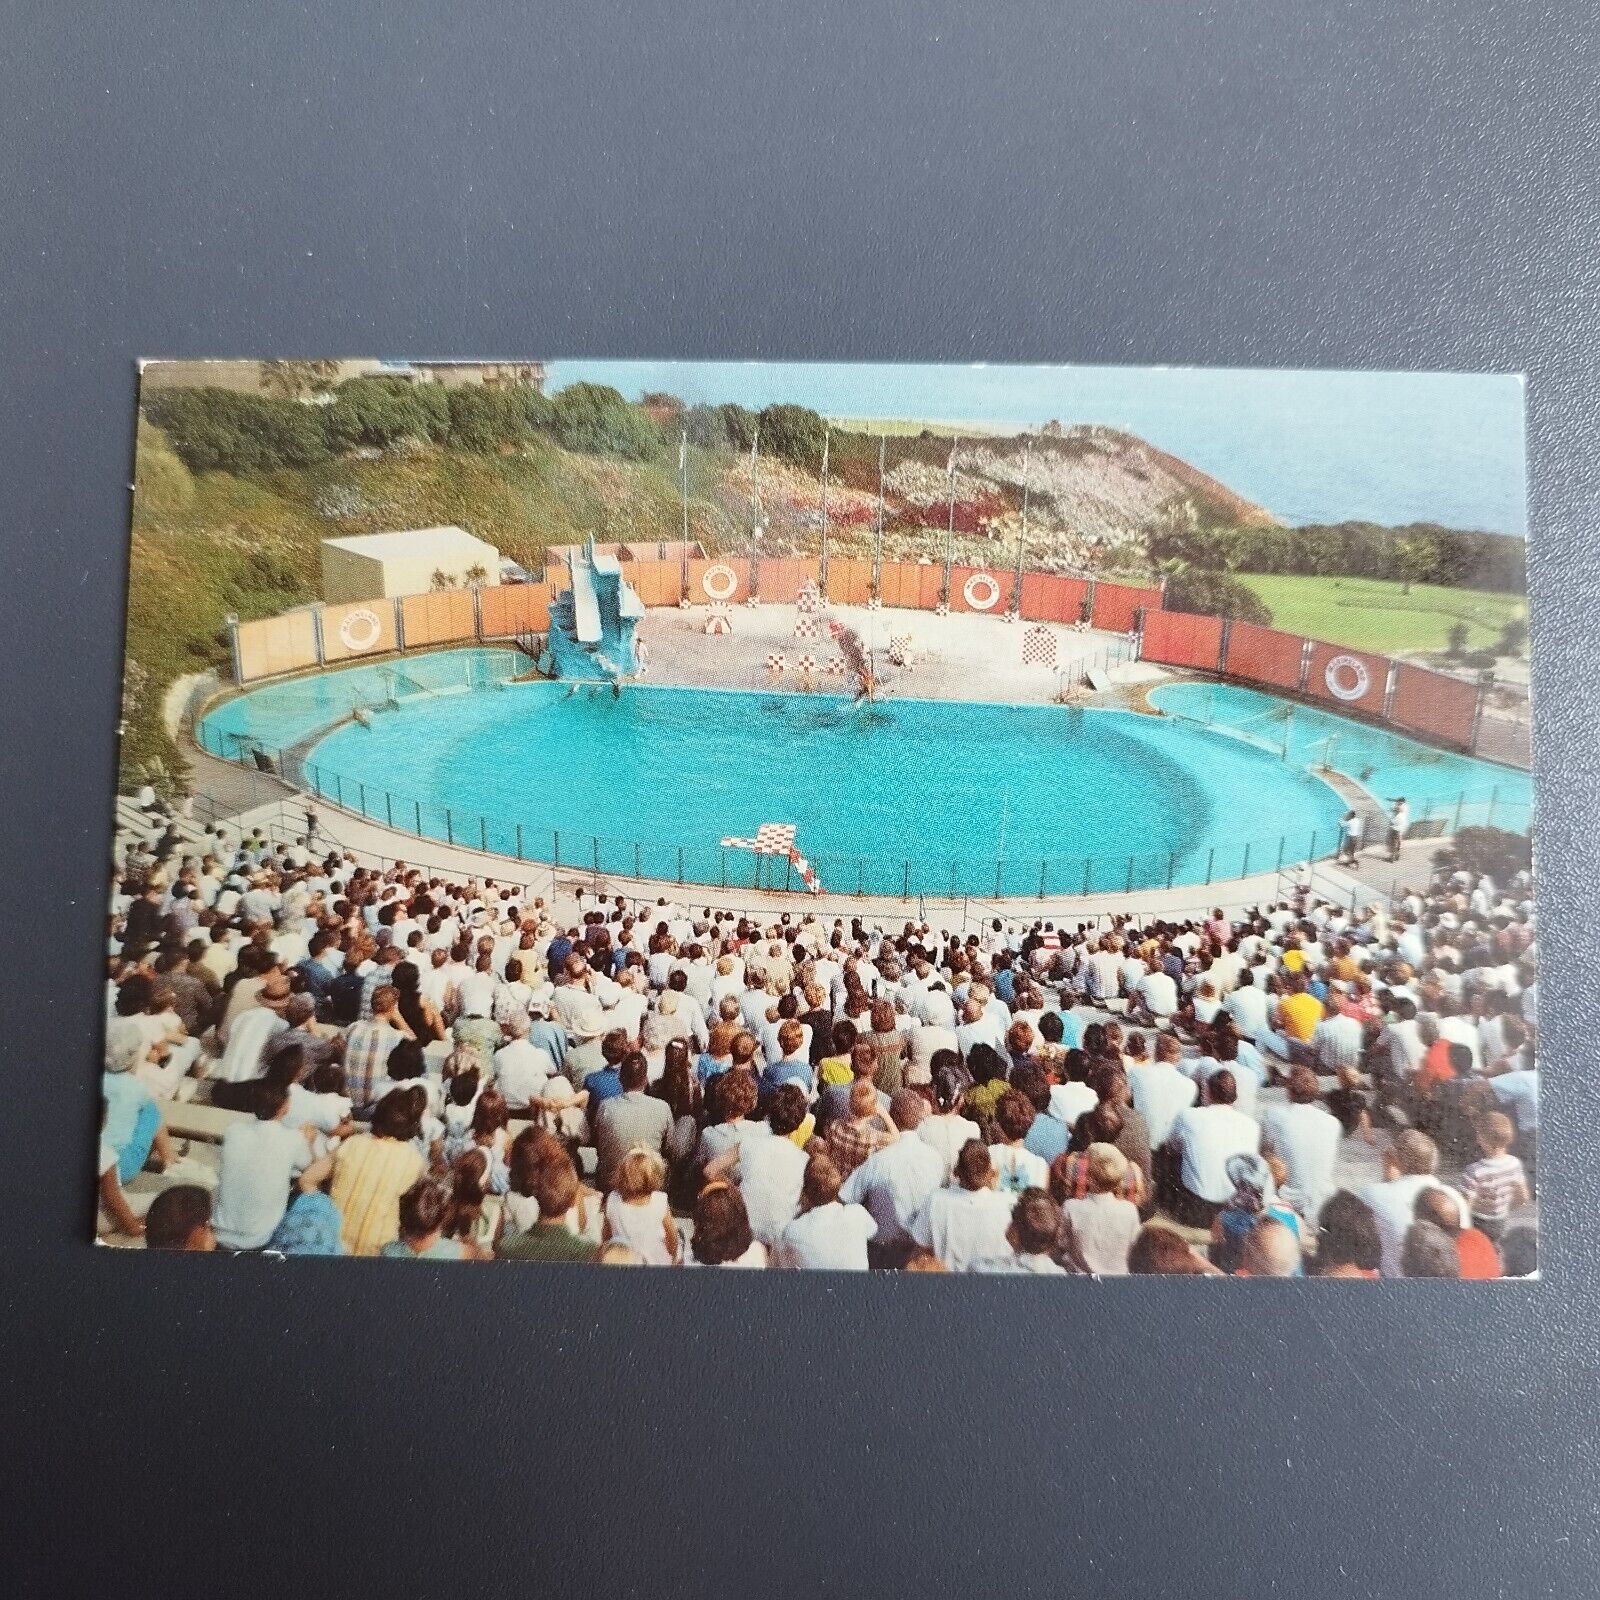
{"points": [[1263, 181]]}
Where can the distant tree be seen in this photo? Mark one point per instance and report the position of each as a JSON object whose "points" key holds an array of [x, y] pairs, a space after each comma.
{"points": [[594, 418], [485, 420], [1514, 636], [441, 579], [1412, 560], [793, 434], [379, 412], [1456, 639], [726, 427], [476, 575], [1215, 594], [217, 430], [298, 380]]}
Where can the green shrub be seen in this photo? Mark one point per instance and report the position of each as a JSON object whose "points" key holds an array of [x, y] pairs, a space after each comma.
{"points": [[1215, 594], [379, 412], [216, 430], [594, 418], [484, 420]]}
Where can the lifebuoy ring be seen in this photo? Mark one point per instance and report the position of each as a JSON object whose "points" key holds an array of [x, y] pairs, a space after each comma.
{"points": [[981, 591], [1347, 677], [720, 582], [361, 629]]}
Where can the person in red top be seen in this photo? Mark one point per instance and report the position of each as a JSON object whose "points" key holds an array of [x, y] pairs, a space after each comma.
{"points": [[1474, 1248]]}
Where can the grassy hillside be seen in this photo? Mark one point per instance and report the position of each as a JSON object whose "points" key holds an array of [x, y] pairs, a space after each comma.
{"points": [[1372, 614], [208, 544]]}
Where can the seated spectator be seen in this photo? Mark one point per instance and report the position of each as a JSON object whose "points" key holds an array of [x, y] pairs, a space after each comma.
{"points": [[966, 1222], [829, 1233], [424, 1212], [372, 1170], [1202, 1139], [1254, 1197], [636, 1208], [1161, 1250], [1271, 1250], [1476, 1253], [549, 1238], [896, 1181], [1032, 1233], [1306, 1137], [866, 1126], [262, 1160], [1409, 1167], [722, 1236], [1348, 1243], [1016, 1167], [1495, 1183], [1101, 1225], [1429, 1252], [179, 1218]]}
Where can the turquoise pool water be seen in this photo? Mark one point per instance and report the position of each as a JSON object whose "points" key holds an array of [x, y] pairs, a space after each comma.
{"points": [[908, 796], [1435, 782]]}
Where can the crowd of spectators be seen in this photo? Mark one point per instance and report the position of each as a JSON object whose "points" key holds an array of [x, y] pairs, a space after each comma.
{"points": [[422, 1067]]}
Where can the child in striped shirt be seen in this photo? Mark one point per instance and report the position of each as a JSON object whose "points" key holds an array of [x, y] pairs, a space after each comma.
{"points": [[1495, 1182]]}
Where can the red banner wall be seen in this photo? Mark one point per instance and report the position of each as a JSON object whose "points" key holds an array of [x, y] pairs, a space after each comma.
{"points": [[1049, 598], [1117, 604], [1434, 703], [1000, 584], [1181, 640], [1333, 664], [1266, 654]]}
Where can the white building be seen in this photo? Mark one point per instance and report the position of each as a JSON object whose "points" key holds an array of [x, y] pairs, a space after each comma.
{"points": [[375, 566]]}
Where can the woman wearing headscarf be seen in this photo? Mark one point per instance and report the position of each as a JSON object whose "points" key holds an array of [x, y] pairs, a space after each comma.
{"points": [[1255, 1195]]}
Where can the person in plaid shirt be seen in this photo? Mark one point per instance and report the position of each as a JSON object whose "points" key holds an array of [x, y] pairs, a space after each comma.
{"points": [[853, 1138], [1495, 1182], [367, 1046]]}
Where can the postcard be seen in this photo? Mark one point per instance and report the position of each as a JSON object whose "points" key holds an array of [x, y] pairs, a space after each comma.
{"points": [[1060, 820]]}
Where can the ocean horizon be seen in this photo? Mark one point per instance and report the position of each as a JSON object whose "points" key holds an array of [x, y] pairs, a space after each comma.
{"points": [[1309, 446]]}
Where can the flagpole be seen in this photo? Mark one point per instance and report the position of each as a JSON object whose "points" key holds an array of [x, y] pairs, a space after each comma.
{"points": [[950, 531], [823, 573], [1022, 532], [877, 532], [755, 507], [683, 487]]}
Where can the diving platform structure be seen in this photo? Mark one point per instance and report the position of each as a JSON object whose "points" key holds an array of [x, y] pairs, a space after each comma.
{"points": [[592, 625]]}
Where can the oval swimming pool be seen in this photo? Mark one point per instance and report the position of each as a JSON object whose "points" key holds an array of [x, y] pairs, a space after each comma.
{"points": [[907, 796]]}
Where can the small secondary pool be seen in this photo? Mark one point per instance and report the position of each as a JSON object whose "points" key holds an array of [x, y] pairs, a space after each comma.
{"points": [[907, 796]]}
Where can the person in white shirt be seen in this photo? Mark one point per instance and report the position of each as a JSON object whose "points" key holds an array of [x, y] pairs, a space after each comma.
{"points": [[979, 1027], [1032, 1233], [1155, 994], [261, 1158], [1409, 1168], [770, 1172], [1202, 1138], [896, 1181], [968, 1221], [946, 1130], [522, 1069], [828, 1234], [248, 1036], [1306, 1136], [1161, 1090]]}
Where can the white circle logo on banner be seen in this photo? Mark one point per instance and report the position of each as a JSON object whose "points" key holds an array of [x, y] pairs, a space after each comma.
{"points": [[720, 582], [981, 592], [361, 629], [1347, 677]]}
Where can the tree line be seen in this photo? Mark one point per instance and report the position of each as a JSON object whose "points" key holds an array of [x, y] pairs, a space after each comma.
{"points": [[1419, 552], [222, 430]]}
